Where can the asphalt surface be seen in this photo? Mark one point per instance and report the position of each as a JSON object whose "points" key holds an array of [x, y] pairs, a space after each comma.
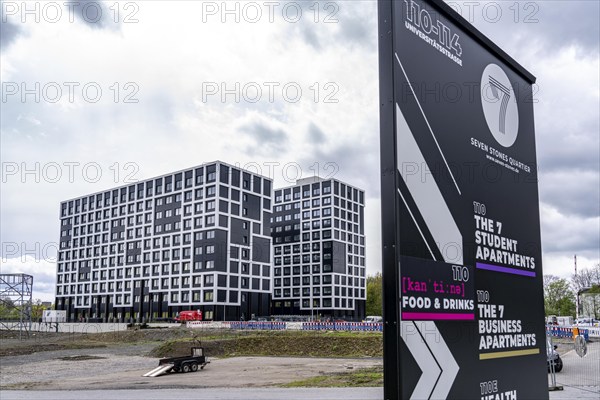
{"points": [[569, 393], [581, 372]]}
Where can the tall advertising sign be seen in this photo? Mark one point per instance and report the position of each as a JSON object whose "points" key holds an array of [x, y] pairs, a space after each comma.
{"points": [[462, 272]]}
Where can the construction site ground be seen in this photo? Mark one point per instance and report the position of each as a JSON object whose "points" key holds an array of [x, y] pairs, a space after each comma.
{"points": [[239, 359], [117, 360]]}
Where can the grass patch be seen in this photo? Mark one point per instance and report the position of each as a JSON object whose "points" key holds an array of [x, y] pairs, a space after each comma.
{"points": [[366, 377], [177, 341], [280, 344]]}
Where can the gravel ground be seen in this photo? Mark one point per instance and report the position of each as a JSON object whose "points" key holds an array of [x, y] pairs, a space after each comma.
{"points": [[57, 372], [125, 372], [45, 356], [122, 367]]}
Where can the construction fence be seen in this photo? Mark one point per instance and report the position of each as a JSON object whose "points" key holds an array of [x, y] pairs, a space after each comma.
{"points": [[572, 331], [303, 326]]}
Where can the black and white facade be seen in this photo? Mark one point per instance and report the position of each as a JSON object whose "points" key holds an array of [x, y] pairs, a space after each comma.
{"points": [[319, 250], [197, 239]]}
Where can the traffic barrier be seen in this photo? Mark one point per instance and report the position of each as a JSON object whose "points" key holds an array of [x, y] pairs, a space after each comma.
{"points": [[567, 332], [276, 325], [594, 332], [260, 325], [208, 324], [343, 326]]}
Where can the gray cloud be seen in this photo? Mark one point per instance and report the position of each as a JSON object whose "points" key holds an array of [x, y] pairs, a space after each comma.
{"points": [[96, 14], [266, 139], [570, 235], [572, 22], [356, 27], [355, 23], [8, 34], [572, 192], [315, 134], [570, 144], [43, 272], [356, 164], [545, 24], [310, 36], [9, 31]]}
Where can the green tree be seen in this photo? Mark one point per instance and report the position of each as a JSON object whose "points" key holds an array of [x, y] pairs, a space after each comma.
{"points": [[587, 283], [8, 310], [374, 295], [36, 310], [559, 299]]}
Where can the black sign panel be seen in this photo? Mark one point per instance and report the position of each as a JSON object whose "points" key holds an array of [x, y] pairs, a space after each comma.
{"points": [[463, 285]]}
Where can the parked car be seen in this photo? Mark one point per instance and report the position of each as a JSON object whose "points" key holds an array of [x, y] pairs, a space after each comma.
{"points": [[552, 357], [586, 321]]}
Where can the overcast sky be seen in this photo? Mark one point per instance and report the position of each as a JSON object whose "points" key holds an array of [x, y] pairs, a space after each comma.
{"points": [[130, 90]]}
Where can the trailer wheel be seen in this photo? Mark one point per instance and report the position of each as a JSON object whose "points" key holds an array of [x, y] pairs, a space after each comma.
{"points": [[194, 367], [185, 368]]}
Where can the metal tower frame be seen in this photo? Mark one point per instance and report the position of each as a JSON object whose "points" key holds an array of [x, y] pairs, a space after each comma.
{"points": [[16, 294]]}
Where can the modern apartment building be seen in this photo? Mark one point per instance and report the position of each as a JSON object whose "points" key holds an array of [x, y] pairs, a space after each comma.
{"points": [[197, 239], [319, 250]]}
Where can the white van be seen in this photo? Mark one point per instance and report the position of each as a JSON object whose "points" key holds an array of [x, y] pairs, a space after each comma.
{"points": [[372, 318]]}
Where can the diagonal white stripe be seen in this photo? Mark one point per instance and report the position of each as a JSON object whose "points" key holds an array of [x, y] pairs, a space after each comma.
{"points": [[429, 126], [417, 225], [426, 194]]}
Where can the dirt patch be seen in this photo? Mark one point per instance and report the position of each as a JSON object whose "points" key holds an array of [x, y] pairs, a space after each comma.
{"points": [[11, 345], [81, 358]]}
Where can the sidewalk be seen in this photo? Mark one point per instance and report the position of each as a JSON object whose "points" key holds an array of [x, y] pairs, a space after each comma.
{"points": [[570, 392]]}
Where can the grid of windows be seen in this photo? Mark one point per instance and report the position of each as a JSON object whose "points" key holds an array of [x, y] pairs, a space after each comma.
{"points": [[319, 247], [166, 243]]}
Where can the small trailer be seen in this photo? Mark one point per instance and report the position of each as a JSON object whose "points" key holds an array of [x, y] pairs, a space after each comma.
{"points": [[190, 363]]}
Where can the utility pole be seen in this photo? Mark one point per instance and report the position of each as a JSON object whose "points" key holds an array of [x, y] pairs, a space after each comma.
{"points": [[577, 294]]}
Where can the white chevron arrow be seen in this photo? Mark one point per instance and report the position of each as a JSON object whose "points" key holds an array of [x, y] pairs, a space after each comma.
{"points": [[430, 351]]}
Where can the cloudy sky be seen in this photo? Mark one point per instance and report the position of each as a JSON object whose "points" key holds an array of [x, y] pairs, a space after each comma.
{"points": [[101, 94]]}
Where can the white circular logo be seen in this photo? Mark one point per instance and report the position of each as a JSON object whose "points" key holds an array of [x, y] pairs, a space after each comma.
{"points": [[499, 105]]}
